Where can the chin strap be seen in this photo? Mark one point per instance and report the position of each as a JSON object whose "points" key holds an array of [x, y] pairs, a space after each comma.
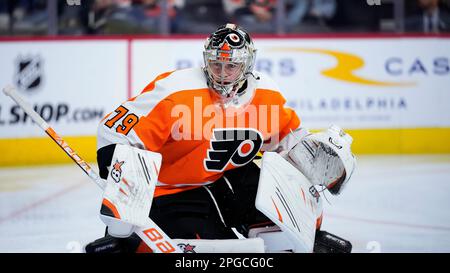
{"points": [[253, 75]]}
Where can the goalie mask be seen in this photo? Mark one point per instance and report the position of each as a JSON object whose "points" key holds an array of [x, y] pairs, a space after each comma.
{"points": [[229, 57]]}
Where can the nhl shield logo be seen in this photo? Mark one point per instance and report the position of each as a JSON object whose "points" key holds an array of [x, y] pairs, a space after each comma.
{"points": [[28, 73]]}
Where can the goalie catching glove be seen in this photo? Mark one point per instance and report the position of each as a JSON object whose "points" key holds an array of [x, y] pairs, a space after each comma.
{"points": [[325, 158], [129, 191]]}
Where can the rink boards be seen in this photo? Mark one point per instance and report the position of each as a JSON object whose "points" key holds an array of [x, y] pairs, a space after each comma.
{"points": [[390, 93]]}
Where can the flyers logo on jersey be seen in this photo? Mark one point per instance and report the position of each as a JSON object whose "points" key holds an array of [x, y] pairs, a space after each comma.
{"points": [[232, 145]]}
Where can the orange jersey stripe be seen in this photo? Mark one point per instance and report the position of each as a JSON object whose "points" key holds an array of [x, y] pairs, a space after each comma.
{"points": [[151, 85], [167, 190]]}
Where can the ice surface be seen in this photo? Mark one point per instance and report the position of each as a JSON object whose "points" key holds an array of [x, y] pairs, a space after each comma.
{"points": [[392, 204]]}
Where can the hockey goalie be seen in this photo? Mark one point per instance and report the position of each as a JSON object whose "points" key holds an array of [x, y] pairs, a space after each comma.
{"points": [[199, 134]]}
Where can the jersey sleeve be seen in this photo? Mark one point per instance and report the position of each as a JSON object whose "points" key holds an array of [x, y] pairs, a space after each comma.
{"points": [[289, 121], [290, 131], [143, 121], [138, 122]]}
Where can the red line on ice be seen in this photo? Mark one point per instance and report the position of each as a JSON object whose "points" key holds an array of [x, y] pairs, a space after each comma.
{"points": [[40, 202]]}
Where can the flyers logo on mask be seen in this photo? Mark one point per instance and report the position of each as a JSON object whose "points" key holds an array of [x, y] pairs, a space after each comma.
{"points": [[232, 145], [228, 36]]}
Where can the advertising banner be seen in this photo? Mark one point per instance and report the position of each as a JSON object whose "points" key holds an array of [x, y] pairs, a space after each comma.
{"points": [[356, 83], [391, 94], [71, 84]]}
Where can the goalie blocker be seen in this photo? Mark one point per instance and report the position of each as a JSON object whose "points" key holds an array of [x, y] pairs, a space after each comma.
{"points": [[206, 212]]}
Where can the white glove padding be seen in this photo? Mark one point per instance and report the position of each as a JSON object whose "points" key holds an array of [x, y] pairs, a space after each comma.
{"points": [[325, 158], [129, 189]]}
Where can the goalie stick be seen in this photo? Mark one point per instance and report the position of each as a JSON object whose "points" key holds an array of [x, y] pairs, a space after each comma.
{"points": [[151, 234]]}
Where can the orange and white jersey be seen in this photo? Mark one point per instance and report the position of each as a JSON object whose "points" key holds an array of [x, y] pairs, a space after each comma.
{"points": [[176, 116]]}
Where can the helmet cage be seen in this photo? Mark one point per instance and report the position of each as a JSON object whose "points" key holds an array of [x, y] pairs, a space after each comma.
{"points": [[230, 46]]}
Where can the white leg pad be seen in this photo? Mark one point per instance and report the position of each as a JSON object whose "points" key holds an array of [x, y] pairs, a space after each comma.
{"points": [[275, 240]]}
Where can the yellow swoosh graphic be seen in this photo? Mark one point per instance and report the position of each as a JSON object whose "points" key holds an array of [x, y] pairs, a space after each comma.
{"points": [[346, 65]]}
